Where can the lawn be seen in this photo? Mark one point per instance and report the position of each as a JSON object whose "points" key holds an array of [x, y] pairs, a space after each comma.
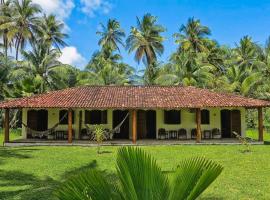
{"points": [[34, 172]]}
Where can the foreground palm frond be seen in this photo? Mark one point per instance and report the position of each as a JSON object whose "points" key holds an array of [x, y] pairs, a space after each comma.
{"points": [[140, 178]]}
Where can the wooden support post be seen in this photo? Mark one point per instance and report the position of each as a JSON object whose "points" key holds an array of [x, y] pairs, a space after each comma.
{"points": [[134, 126], [6, 126], [69, 126], [260, 124], [198, 122]]}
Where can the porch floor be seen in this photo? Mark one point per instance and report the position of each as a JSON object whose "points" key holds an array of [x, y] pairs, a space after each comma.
{"points": [[142, 142]]}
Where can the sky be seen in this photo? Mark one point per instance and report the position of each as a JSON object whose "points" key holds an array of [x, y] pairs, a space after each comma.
{"points": [[229, 20]]}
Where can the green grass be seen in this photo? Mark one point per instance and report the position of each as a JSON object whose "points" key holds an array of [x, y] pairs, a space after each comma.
{"points": [[254, 135], [35, 172]]}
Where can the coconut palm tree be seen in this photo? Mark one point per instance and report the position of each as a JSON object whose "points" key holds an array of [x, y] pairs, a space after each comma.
{"points": [[6, 13], [139, 177], [111, 35], [187, 70], [50, 31], [106, 68], [41, 71], [193, 36], [21, 24], [145, 39]]}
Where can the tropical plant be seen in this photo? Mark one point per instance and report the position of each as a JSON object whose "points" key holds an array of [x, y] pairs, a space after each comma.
{"points": [[111, 35], [193, 36], [40, 71], [139, 177], [186, 70], [99, 135], [146, 41], [106, 68], [50, 31], [21, 24]]}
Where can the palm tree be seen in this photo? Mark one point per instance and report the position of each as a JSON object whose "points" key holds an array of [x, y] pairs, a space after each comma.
{"points": [[106, 68], [139, 177], [246, 53], [50, 31], [243, 81], [5, 16], [111, 35], [193, 36], [187, 70], [21, 24], [41, 71], [145, 40]]}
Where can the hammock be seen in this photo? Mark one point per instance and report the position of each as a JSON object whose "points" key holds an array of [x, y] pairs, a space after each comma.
{"points": [[108, 134], [47, 132]]}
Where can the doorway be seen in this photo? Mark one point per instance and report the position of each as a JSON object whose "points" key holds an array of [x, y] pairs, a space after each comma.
{"points": [[146, 124], [118, 116], [37, 120], [230, 122]]}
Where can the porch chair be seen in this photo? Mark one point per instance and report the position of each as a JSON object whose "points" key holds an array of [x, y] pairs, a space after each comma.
{"points": [[216, 134], [182, 134], [162, 133], [207, 134], [84, 135], [193, 133]]}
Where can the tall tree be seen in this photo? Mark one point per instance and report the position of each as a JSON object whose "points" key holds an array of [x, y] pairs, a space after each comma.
{"points": [[50, 31], [193, 36], [21, 24], [41, 71], [111, 35], [146, 41]]}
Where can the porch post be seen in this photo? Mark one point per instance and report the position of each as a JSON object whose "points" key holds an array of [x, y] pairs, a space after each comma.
{"points": [[260, 124], [134, 126], [198, 121], [69, 126], [6, 125]]}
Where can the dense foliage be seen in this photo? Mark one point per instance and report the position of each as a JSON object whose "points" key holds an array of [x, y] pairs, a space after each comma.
{"points": [[32, 41]]}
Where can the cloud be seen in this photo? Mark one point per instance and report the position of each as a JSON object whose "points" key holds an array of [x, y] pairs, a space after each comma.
{"points": [[71, 56], [91, 7], [61, 8]]}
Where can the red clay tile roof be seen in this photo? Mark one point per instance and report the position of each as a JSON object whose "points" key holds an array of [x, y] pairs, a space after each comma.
{"points": [[132, 97]]}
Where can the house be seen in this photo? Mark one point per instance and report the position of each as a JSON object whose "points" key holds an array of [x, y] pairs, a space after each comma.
{"points": [[154, 112]]}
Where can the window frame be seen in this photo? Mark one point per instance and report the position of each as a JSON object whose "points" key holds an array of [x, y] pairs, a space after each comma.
{"points": [[167, 120], [205, 113], [103, 118]]}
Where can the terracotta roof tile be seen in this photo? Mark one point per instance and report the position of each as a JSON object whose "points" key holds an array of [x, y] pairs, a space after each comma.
{"points": [[133, 97]]}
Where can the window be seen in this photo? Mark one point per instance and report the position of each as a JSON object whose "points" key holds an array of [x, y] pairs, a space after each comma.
{"points": [[172, 116], [63, 117], [205, 117], [95, 117]]}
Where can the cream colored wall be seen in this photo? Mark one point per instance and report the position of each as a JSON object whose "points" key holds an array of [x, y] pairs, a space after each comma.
{"points": [[188, 120], [53, 118]]}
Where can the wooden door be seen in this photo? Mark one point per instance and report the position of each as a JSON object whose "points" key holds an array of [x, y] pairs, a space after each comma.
{"points": [[226, 129], [236, 121], [141, 124]]}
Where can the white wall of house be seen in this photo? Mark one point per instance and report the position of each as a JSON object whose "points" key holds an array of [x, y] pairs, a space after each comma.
{"points": [[187, 120]]}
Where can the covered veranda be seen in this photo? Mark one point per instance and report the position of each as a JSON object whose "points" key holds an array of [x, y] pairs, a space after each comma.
{"points": [[136, 100]]}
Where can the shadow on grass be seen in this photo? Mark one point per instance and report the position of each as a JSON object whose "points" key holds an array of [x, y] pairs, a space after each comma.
{"points": [[20, 153], [19, 185]]}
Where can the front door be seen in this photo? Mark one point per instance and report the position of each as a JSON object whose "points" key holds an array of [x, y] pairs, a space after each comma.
{"points": [[226, 129], [118, 117], [146, 124], [236, 121]]}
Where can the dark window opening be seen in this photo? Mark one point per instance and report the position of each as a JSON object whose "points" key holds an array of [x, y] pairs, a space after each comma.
{"points": [[205, 117], [95, 117], [172, 116], [63, 117]]}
